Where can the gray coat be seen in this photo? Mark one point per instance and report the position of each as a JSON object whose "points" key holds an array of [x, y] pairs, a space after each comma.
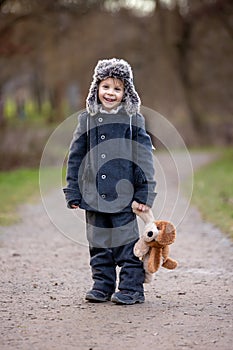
{"points": [[110, 163]]}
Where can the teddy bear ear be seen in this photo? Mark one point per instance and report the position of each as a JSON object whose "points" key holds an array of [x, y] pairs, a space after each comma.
{"points": [[170, 227], [165, 226]]}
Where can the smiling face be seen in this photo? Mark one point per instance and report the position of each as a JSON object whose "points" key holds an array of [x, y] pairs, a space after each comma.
{"points": [[111, 92]]}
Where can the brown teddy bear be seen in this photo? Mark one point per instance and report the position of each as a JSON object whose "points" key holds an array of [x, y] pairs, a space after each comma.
{"points": [[153, 245]]}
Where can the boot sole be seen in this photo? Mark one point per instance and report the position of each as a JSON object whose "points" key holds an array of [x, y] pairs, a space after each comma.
{"points": [[130, 302], [93, 299]]}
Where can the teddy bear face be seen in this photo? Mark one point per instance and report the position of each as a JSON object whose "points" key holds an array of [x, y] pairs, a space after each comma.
{"points": [[166, 234], [151, 232]]}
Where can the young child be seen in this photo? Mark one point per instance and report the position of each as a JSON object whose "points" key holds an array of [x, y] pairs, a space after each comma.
{"points": [[110, 164]]}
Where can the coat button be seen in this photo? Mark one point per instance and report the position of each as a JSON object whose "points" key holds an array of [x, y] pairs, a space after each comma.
{"points": [[103, 155], [103, 176], [103, 196], [102, 137], [100, 119]]}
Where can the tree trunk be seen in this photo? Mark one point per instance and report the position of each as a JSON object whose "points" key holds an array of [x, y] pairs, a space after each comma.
{"points": [[184, 69]]}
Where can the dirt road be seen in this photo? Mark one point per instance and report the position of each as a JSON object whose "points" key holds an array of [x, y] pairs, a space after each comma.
{"points": [[44, 277]]}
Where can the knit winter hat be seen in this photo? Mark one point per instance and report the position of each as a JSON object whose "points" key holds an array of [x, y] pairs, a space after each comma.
{"points": [[113, 68]]}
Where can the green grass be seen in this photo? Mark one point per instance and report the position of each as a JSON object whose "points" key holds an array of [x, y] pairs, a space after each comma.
{"points": [[22, 186], [16, 188], [213, 192]]}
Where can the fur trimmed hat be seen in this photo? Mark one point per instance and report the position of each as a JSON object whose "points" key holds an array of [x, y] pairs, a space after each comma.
{"points": [[113, 68]]}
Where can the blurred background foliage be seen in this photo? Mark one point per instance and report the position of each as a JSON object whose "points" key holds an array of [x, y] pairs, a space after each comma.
{"points": [[181, 52]]}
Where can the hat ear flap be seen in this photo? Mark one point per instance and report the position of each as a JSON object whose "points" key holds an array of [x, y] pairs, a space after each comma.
{"points": [[92, 99], [131, 100]]}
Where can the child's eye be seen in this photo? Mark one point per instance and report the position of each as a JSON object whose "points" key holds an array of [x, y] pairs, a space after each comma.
{"points": [[118, 89], [105, 86]]}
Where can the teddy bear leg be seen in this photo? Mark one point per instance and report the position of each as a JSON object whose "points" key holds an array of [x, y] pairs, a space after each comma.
{"points": [[148, 277], [155, 256]]}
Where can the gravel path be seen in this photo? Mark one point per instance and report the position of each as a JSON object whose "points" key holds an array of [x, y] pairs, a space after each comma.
{"points": [[44, 277]]}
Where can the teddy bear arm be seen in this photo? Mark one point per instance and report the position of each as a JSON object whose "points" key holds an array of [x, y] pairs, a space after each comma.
{"points": [[170, 264], [165, 252]]}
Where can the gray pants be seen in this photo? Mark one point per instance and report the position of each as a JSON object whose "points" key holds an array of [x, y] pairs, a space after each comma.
{"points": [[111, 238]]}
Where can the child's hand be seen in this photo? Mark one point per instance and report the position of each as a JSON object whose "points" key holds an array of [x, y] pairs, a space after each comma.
{"points": [[74, 206], [143, 207]]}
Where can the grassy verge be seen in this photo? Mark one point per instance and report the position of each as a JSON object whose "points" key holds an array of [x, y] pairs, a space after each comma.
{"points": [[213, 192], [22, 186], [16, 188]]}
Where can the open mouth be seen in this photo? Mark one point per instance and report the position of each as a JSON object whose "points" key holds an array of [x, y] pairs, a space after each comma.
{"points": [[109, 99]]}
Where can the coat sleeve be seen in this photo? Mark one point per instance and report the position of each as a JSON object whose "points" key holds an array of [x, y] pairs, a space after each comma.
{"points": [[144, 165], [77, 152]]}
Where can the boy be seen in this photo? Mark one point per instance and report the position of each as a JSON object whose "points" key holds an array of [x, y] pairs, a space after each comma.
{"points": [[110, 164]]}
